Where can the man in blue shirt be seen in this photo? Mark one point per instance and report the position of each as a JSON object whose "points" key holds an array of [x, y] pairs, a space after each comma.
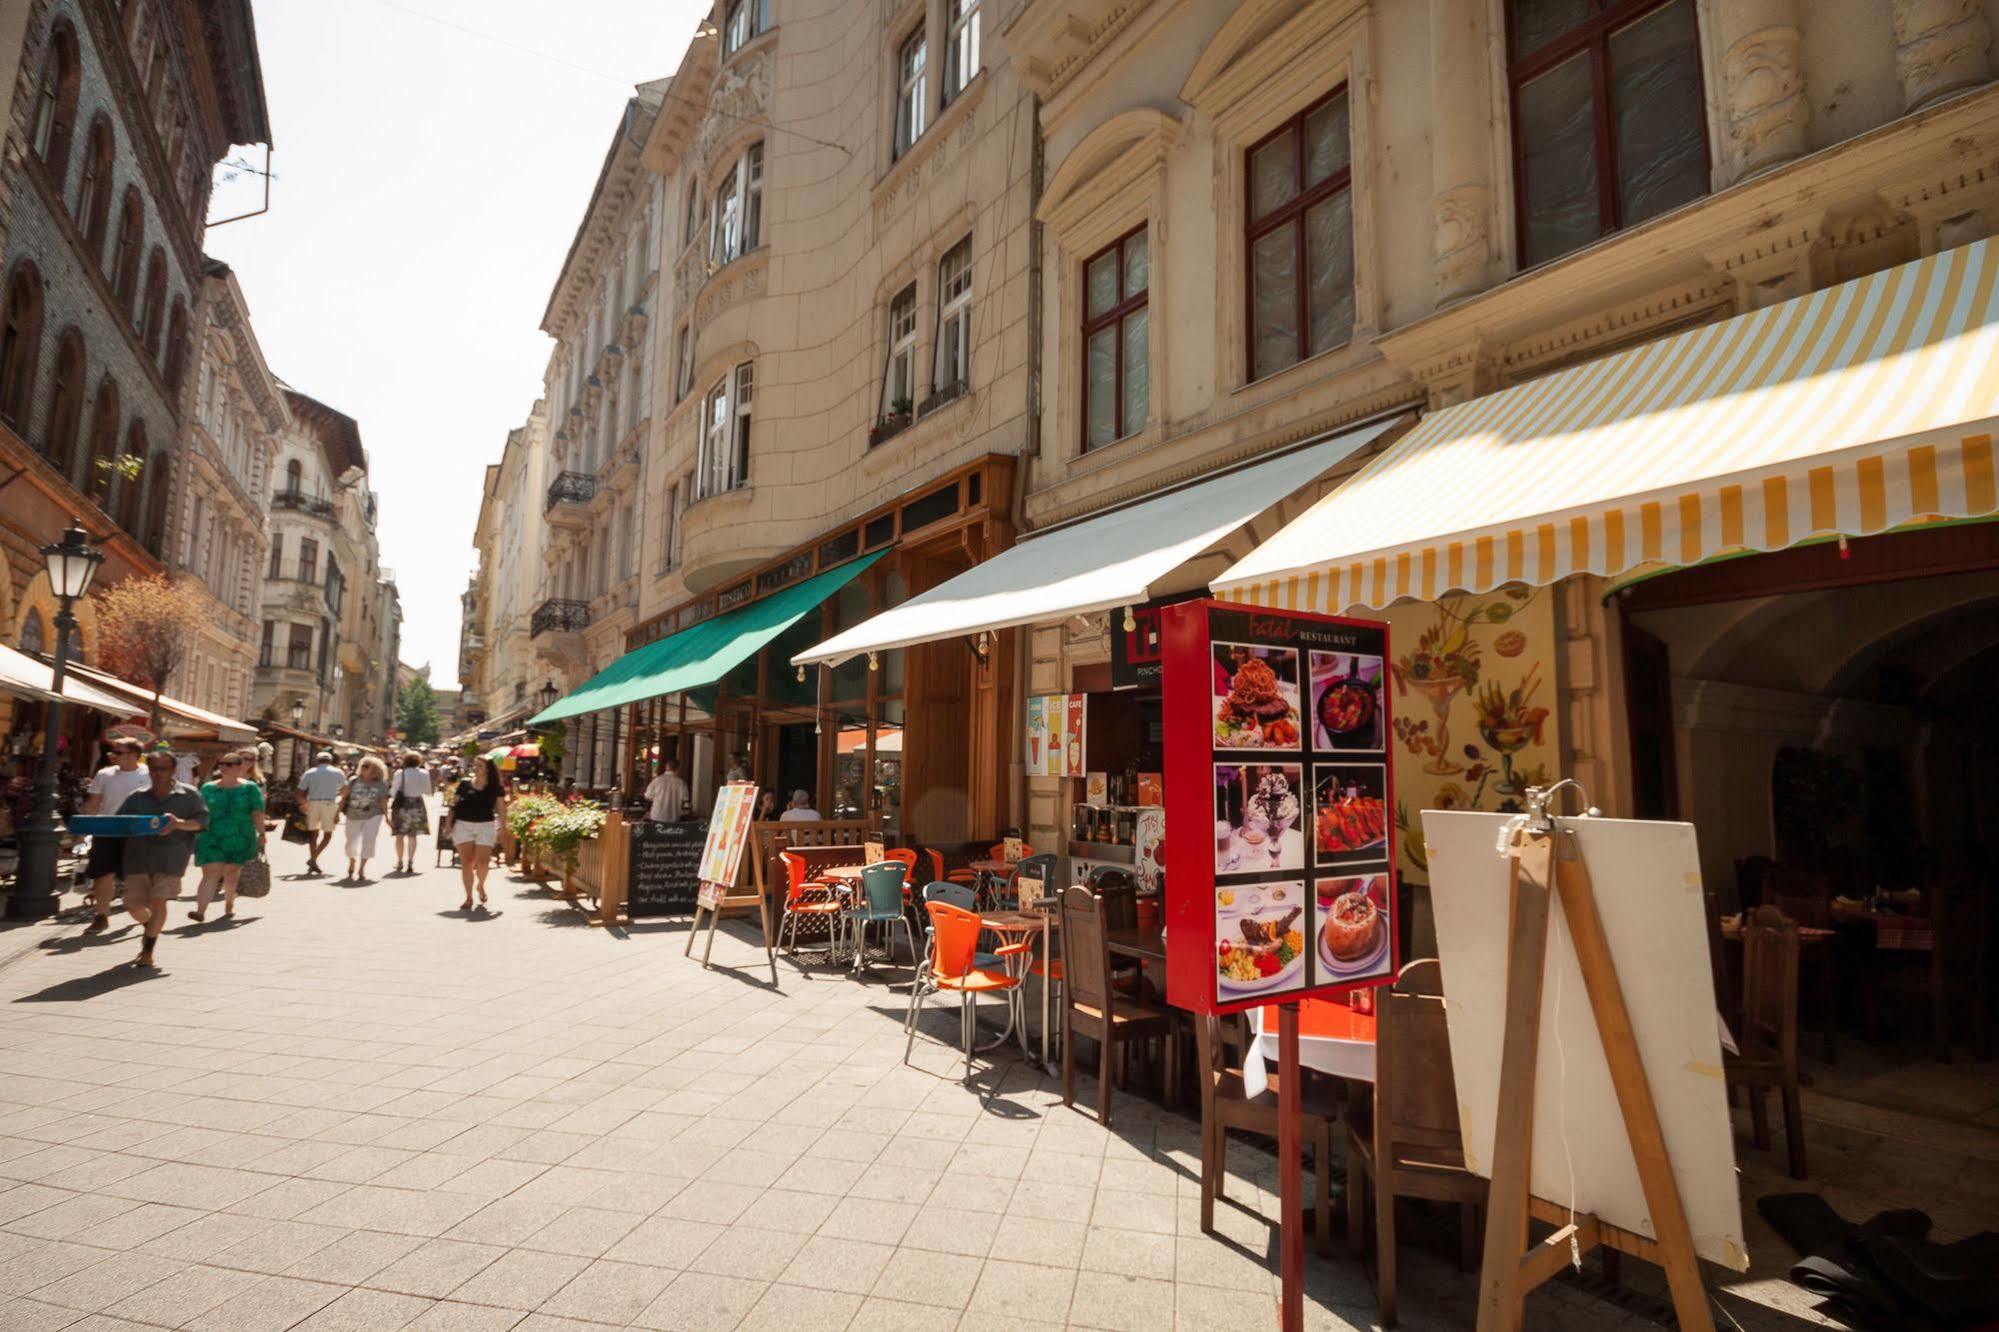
{"points": [[320, 789], [154, 865]]}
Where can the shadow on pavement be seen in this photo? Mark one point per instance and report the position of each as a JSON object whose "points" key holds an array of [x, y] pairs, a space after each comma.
{"points": [[90, 987], [76, 943], [470, 917], [216, 925]]}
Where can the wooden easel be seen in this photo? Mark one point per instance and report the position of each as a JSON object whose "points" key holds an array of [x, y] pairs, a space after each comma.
{"points": [[713, 900], [1547, 861]]}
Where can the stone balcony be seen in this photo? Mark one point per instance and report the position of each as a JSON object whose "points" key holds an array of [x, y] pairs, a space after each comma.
{"points": [[559, 615], [569, 497]]}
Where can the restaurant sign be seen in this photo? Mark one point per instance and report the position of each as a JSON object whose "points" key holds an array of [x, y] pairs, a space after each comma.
{"points": [[1277, 730]]}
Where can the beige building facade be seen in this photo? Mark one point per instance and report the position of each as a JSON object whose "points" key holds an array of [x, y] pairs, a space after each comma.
{"points": [[1347, 210], [498, 664], [218, 539]]}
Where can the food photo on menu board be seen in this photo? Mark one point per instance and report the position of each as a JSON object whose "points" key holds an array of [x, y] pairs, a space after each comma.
{"points": [[1349, 813], [1257, 818], [1346, 701], [1256, 697], [1353, 927], [1260, 933]]}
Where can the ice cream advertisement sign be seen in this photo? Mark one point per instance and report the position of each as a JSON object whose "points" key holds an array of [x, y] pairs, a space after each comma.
{"points": [[1276, 737]]}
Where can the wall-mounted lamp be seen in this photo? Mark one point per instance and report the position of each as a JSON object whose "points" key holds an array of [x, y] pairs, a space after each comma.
{"points": [[1130, 621], [874, 661]]}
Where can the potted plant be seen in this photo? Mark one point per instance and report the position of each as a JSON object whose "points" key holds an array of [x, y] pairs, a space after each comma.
{"points": [[900, 412]]}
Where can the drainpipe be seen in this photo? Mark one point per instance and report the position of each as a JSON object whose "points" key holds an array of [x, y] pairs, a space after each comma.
{"points": [[1031, 455]]}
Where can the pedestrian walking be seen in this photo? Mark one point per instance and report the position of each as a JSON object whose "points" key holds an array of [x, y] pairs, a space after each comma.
{"points": [[476, 810], [124, 775], [320, 787], [363, 802], [234, 835], [154, 865], [408, 818]]}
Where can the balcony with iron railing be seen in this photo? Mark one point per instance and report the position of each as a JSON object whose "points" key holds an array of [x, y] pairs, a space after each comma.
{"points": [[569, 497], [318, 506], [558, 614]]}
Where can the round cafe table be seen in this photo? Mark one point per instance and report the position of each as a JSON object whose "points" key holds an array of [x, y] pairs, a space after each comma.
{"points": [[846, 877]]}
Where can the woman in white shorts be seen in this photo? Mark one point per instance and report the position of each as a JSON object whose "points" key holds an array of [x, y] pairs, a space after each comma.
{"points": [[476, 810]]}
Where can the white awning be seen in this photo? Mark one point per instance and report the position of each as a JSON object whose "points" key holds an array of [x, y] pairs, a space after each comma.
{"points": [[1850, 411], [25, 677], [1122, 558], [175, 715]]}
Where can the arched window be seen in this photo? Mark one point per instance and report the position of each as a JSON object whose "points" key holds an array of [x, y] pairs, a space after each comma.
{"points": [[32, 634], [55, 104], [93, 191], [20, 346], [125, 255], [65, 403], [98, 465], [152, 310], [176, 365], [294, 477], [153, 534]]}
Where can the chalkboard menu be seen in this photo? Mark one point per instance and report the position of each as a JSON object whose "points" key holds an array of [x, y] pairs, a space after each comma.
{"points": [[665, 867]]}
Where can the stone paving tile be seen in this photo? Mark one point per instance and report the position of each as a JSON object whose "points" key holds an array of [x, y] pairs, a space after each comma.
{"points": [[532, 1127]]}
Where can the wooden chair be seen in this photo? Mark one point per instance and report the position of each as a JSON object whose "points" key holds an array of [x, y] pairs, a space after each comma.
{"points": [[1806, 899], [1091, 1006], [1769, 1032], [1225, 1105], [1409, 1145]]}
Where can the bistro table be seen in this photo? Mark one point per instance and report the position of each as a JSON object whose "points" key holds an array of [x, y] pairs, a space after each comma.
{"points": [[848, 879], [1012, 924], [1146, 943], [1332, 1038], [989, 873]]}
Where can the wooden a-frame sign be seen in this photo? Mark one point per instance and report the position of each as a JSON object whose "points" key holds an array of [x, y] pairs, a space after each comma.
{"points": [[1547, 862]]}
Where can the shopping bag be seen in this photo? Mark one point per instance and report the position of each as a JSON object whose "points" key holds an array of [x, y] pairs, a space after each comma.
{"points": [[255, 879], [295, 830]]}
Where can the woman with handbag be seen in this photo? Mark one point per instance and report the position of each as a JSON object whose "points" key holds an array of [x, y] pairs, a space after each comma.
{"points": [[408, 819], [234, 835]]}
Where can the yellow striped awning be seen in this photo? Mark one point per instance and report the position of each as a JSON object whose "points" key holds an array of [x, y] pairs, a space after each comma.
{"points": [[1849, 411]]}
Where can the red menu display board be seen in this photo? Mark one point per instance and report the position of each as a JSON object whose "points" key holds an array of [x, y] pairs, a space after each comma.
{"points": [[1277, 730]]}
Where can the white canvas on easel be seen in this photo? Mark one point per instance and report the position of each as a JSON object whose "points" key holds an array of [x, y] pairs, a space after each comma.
{"points": [[1648, 891]]}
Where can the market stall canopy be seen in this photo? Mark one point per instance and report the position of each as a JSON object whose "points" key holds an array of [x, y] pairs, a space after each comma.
{"points": [[271, 728], [1121, 558], [1850, 411], [182, 717], [27, 677], [704, 653]]}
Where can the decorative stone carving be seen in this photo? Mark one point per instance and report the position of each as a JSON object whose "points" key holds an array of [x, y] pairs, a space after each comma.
{"points": [[739, 99], [1764, 89], [1941, 47], [1461, 240]]}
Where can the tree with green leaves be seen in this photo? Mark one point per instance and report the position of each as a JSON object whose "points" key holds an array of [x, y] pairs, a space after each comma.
{"points": [[416, 713]]}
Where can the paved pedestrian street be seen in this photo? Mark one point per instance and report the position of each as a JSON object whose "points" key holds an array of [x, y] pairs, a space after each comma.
{"points": [[358, 1108]]}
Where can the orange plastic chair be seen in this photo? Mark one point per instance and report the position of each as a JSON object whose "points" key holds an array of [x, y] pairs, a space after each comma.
{"points": [[807, 898], [908, 859], [953, 965]]}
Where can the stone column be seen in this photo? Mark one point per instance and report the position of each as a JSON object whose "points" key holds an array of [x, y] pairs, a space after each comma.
{"points": [[1764, 110], [1460, 149], [1941, 47]]}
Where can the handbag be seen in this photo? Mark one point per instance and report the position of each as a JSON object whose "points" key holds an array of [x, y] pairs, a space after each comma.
{"points": [[254, 880], [397, 800]]}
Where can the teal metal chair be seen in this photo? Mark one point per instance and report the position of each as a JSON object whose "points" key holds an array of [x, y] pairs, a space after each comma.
{"points": [[881, 904]]}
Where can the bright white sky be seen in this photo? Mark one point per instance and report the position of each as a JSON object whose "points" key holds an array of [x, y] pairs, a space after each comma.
{"points": [[433, 160]]}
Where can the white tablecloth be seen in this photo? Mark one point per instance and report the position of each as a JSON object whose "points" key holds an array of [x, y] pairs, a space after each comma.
{"points": [[1345, 1059]]}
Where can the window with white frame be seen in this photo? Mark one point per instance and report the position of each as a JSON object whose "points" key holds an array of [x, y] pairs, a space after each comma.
{"points": [[912, 75], [725, 432], [954, 321], [899, 375], [738, 215], [961, 50], [741, 21]]}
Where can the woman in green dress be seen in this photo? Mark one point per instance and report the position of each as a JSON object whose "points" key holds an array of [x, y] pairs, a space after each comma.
{"points": [[234, 835]]}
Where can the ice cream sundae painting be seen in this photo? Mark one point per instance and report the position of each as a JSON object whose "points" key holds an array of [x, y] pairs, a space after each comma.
{"points": [[1257, 818], [1256, 697]]}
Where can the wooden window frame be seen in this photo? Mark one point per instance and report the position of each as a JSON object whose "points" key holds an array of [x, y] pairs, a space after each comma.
{"points": [[1112, 318], [1591, 37], [1290, 213]]}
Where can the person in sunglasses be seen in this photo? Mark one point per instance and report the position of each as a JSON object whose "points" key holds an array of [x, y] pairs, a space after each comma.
{"points": [[234, 835]]}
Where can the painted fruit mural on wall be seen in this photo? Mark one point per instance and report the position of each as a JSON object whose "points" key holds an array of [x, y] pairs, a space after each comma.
{"points": [[1474, 721]]}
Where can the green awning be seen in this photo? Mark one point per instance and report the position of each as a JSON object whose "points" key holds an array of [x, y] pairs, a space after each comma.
{"points": [[704, 653]]}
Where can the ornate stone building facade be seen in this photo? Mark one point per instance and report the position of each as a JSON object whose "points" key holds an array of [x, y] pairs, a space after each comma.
{"points": [[599, 388], [118, 113], [219, 538], [498, 664]]}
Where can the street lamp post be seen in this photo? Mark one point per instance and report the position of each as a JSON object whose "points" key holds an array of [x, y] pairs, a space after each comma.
{"points": [[72, 563]]}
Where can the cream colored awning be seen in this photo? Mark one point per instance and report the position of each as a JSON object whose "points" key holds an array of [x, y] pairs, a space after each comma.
{"points": [[1849, 411], [29, 677]]}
